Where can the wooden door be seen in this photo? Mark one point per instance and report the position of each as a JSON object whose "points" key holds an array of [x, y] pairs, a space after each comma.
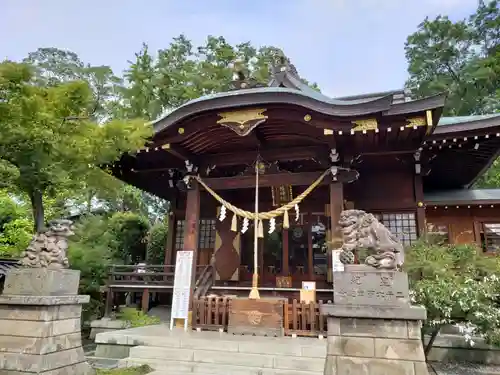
{"points": [[227, 251]]}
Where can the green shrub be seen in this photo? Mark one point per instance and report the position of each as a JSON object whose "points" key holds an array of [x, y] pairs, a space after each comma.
{"points": [[130, 231], [137, 318], [457, 285], [157, 239]]}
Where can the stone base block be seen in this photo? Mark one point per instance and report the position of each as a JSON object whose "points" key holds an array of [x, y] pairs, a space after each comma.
{"points": [[41, 334], [41, 282], [82, 368], [106, 325], [365, 285], [365, 346]]}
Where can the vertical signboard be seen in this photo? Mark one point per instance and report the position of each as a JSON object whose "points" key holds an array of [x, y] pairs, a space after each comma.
{"points": [[182, 287], [337, 265]]}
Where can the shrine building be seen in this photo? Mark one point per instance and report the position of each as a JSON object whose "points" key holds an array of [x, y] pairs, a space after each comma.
{"points": [[383, 153]]}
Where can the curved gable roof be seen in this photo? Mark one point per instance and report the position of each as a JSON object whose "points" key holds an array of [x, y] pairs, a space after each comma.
{"points": [[314, 101]]}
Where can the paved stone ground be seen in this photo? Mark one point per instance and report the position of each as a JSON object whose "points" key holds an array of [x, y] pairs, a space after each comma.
{"points": [[462, 369]]}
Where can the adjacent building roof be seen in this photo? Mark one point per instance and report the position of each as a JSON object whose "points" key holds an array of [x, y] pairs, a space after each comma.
{"points": [[460, 150], [444, 121], [6, 265], [463, 196]]}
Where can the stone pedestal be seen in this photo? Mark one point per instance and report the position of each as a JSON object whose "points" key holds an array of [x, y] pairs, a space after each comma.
{"points": [[40, 333], [372, 328]]}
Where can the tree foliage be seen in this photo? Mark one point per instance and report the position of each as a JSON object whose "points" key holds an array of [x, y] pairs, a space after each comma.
{"points": [[457, 285], [182, 72], [48, 138], [461, 58]]}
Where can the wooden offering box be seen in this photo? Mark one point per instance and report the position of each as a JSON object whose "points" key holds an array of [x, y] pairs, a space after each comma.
{"points": [[260, 317]]}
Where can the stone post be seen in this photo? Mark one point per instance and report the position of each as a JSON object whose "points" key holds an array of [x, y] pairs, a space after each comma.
{"points": [[372, 328], [40, 313]]}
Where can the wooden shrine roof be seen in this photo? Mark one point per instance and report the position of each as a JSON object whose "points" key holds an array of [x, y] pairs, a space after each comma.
{"points": [[460, 150], [463, 197], [302, 126]]}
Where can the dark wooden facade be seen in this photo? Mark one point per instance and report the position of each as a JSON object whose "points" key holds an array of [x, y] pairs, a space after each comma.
{"points": [[394, 146]]}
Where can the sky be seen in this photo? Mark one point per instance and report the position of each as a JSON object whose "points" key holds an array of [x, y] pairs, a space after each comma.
{"points": [[348, 47]]}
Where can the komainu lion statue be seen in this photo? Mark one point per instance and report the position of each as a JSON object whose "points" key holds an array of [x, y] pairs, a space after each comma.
{"points": [[48, 248], [361, 230]]}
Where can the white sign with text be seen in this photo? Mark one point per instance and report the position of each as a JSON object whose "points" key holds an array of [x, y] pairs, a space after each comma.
{"points": [[182, 287], [337, 265]]}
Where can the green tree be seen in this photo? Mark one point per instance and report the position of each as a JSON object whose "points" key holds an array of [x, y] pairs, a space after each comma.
{"points": [[48, 138], [457, 285], [131, 232], [156, 243], [15, 225], [54, 66], [182, 72], [461, 58]]}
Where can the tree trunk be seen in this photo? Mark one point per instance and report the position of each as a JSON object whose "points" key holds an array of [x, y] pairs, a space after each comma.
{"points": [[428, 347], [37, 209]]}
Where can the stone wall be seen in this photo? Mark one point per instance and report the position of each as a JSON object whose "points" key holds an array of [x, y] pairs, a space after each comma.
{"points": [[374, 346], [372, 327]]}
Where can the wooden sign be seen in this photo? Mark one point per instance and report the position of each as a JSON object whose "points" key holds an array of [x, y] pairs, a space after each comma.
{"points": [[308, 292], [261, 317], [283, 281], [182, 287]]}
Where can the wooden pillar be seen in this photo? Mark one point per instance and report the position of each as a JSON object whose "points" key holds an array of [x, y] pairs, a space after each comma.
{"points": [[109, 303], [169, 246], [336, 193], [419, 199], [310, 262], [285, 269], [145, 300], [191, 230]]}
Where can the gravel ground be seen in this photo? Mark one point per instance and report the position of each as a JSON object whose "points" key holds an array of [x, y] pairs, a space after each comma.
{"points": [[462, 369]]}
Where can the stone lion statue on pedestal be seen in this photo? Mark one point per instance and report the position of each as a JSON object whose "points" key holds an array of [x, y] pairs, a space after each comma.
{"points": [[361, 230], [48, 248]]}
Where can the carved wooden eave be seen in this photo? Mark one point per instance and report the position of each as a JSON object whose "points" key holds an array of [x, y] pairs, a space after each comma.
{"points": [[364, 125], [244, 121]]}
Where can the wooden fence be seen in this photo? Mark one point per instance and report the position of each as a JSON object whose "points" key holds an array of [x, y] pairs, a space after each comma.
{"points": [[300, 318], [304, 319], [211, 313]]}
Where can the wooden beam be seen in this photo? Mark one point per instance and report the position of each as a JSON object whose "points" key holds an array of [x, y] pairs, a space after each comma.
{"points": [[277, 179], [180, 153], [248, 157]]}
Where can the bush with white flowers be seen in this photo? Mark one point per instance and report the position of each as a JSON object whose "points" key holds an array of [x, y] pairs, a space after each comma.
{"points": [[457, 285]]}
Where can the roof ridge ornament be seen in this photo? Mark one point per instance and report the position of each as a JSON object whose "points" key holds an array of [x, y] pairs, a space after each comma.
{"points": [[280, 63], [240, 80]]}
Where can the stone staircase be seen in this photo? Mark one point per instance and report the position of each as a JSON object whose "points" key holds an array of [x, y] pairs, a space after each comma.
{"points": [[206, 353]]}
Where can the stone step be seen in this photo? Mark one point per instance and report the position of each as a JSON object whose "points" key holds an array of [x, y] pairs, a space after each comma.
{"points": [[180, 368], [302, 347], [244, 359]]}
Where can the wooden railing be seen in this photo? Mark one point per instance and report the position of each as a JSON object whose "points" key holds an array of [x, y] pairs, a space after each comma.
{"points": [[137, 275], [211, 313], [300, 318], [304, 319]]}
